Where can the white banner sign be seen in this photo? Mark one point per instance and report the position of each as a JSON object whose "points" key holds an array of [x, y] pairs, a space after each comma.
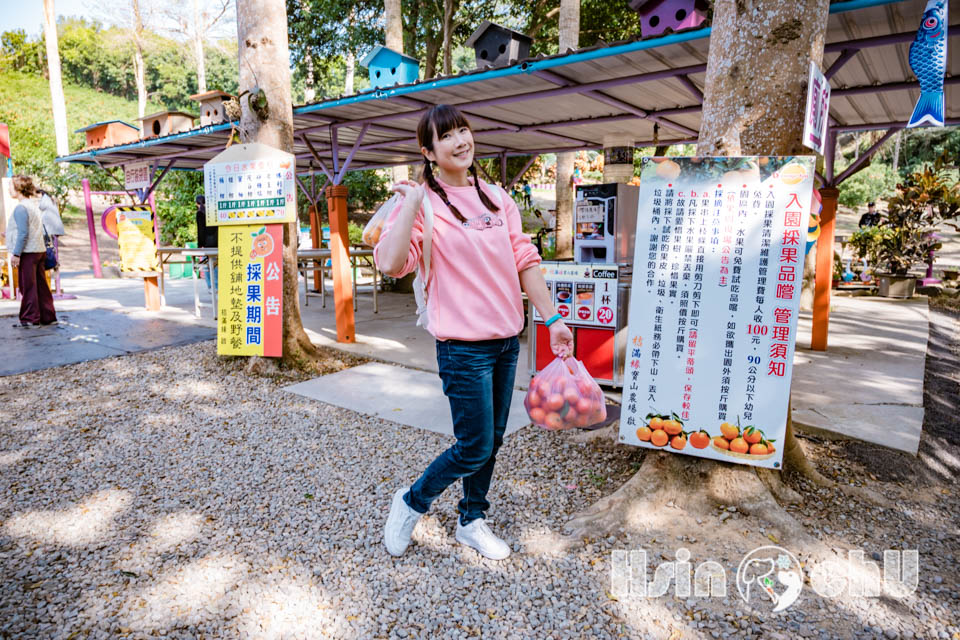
{"points": [[818, 110], [136, 175], [717, 275], [250, 183]]}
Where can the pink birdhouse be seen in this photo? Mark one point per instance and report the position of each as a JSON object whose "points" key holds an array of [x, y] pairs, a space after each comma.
{"points": [[659, 16]]}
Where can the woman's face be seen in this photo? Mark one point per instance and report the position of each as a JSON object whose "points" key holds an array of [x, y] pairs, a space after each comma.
{"points": [[453, 150]]}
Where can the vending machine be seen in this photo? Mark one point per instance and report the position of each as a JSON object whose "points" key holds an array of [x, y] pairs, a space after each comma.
{"points": [[593, 292]]}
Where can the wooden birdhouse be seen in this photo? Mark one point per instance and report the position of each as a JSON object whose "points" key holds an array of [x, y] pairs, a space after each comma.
{"points": [[496, 46], [109, 134], [212, 110], [165, 123], [659, 16], [388, 67]]}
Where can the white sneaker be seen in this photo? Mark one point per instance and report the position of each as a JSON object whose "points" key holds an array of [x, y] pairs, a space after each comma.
{"points": [[478, 535], [400, 524]]}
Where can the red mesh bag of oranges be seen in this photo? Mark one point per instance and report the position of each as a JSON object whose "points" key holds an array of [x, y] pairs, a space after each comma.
{"points": [[564, 396]]}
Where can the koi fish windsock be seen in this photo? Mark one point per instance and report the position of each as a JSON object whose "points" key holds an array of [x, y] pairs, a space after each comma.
{"points": [[928, 59]]}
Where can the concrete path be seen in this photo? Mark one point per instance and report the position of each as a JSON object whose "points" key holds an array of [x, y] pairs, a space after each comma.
{"points": [[410, 397], [867, 386], [107, 318]]}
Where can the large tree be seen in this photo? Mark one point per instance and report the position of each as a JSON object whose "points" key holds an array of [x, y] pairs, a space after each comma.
{"points": [[569, 35], [56, 79], [267, 118], [195, 19], [751, 106]]}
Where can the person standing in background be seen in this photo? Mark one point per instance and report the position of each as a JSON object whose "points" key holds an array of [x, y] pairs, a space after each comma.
{"points": [[26, 244]]}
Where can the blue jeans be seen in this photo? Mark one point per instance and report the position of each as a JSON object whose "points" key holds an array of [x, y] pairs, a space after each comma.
{"points": [[478, 381]]}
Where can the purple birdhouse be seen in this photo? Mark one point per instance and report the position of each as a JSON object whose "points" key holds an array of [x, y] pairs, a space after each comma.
{"points": [[659, 16]]}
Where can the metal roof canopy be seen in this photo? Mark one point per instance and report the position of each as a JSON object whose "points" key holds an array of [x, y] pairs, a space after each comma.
{"points": [[572, 101]]}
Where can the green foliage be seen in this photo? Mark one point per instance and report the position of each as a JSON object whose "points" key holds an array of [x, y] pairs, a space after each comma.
{"points": [[867, 185], [102, 59], [356, 233], [866, 243], [177, 207], [924, 201], [32, 139]]}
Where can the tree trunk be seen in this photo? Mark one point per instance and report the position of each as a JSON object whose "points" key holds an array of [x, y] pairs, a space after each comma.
{"points": [[448, 11], [264, 61], [139, 71], [393, 39], [749, 108], [56, 81], [896, 151], [351, 63], [198, 29], [569, 28]]}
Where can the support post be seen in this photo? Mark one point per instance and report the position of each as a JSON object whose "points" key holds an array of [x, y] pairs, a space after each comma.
{"points": [[340, 257], [824, 278], [315, 240], [94, 249]]}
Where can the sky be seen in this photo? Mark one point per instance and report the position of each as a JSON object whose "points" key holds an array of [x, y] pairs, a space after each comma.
{"points": [[28, 15]]}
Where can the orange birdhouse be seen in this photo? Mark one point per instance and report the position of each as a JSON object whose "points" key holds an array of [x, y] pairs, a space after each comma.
{"points": [[109, 134]]}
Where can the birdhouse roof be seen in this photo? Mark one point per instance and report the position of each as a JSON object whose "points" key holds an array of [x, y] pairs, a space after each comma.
{"points": [[167, 113], [210, 95], [105, 123], [378, 49], [486, 25]]}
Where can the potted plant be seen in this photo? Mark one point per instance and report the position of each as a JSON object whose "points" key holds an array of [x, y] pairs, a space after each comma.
{"points": [[924, 200]]}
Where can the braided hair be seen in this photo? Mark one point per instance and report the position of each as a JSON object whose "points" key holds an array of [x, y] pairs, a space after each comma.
{"points": [[440, 119]]}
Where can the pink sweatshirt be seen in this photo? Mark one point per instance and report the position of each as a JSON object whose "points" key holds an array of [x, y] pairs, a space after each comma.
{"points": [[474, 288]]}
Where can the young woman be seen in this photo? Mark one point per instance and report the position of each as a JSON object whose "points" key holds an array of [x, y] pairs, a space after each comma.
{"points": [[480, 261]]}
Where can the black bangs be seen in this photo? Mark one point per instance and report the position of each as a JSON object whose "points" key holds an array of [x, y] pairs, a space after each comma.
{"points": [[440, 118]]}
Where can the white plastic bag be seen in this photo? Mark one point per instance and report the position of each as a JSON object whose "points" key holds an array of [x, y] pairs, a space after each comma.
{"points": [[373, 228]]}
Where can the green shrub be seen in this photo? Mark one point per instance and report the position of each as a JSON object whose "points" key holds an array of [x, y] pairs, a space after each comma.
{"points": [[868, 185]]}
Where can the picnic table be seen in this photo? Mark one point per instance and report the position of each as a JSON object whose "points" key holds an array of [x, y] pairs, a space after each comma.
{"points": [[313, 260]]}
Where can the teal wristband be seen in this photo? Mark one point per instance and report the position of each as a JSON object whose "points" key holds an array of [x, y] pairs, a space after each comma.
{"points": [[552, 320]]}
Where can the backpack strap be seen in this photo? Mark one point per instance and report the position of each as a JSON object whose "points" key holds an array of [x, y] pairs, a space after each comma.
{"points": [[427, 236]]}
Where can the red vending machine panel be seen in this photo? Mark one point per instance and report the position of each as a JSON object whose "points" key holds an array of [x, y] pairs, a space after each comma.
{"points": [[544, 352], [595, 348]]}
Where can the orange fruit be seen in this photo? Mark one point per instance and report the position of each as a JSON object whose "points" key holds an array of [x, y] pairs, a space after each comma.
{"points": [[553, 421], [537, 415], [533, 398], [759, 449], [729, 431], [672, 427], [770, 448], [571, 395], [721, 443], [656, 422], [700, 440], [739, 445], [752, 435], [554, 402], [678, 442], [659, 437], [644, 433]]}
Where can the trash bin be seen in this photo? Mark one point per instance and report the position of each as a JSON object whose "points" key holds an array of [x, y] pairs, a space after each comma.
{"points": [[182, 269]]}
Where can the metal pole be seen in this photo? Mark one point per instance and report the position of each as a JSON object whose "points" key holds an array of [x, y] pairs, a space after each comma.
{"points": [[94, 249]]}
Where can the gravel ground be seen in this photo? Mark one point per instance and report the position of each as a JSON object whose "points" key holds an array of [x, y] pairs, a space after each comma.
{"points": [[169, 494]]}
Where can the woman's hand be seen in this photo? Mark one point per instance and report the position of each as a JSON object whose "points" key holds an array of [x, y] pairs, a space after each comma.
{"points": [[15, 262], [561, 339], [412, 193]]}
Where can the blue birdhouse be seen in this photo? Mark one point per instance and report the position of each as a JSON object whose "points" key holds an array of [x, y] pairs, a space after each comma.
{"points": [[388, 67]]}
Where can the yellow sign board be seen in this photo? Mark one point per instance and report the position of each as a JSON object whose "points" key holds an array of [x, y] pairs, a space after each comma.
{"points": [[136, 237], [250, 290]]}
